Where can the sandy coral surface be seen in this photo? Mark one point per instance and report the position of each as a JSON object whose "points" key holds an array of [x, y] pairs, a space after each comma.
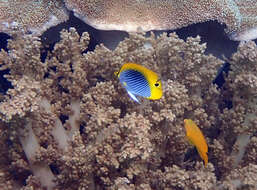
{"points": [[68, 124]]}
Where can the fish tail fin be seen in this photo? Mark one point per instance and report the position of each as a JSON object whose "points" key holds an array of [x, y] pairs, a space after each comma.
{"points": [[204, 156]]}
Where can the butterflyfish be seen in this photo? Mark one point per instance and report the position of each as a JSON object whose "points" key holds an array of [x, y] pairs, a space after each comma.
{"points": [[196, 138], [140, 81]]}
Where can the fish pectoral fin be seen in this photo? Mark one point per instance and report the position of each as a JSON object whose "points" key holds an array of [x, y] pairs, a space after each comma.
{"points": [[189, 140], [133, 97], [124, 84]]}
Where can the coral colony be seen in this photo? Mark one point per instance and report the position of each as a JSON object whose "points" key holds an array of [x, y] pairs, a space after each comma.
{"points": [[31, 16], [67, 123]]}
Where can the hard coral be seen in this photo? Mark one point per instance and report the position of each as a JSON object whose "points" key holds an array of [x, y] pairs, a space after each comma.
{"points": [[239, 16], [85, 133], [29, 16]]}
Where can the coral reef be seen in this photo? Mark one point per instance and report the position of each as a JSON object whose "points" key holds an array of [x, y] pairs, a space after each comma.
{"points": [[67, 123], [239, 16], [33, 16], [30, 16]]}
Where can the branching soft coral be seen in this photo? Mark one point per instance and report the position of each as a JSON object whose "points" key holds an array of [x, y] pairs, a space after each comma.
{"points": [[87, 133], [174, 177], [241, 88], [242, 178], [251, 152]]}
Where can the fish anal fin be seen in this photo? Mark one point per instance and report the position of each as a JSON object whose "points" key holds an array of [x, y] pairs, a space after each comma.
{"points": [[133, 97]]}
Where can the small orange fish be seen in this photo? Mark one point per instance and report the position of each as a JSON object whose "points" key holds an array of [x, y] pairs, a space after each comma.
{"points": [[195, 137]]}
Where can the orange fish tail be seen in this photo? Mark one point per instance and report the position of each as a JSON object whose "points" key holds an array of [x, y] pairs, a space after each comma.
{"points": [[204, 156]]}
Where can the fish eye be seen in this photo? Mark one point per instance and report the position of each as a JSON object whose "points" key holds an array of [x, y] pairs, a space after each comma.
{"points": [[156, 84]]}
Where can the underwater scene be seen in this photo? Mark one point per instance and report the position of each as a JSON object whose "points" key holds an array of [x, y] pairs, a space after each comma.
{"points": [[128, 95]]}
